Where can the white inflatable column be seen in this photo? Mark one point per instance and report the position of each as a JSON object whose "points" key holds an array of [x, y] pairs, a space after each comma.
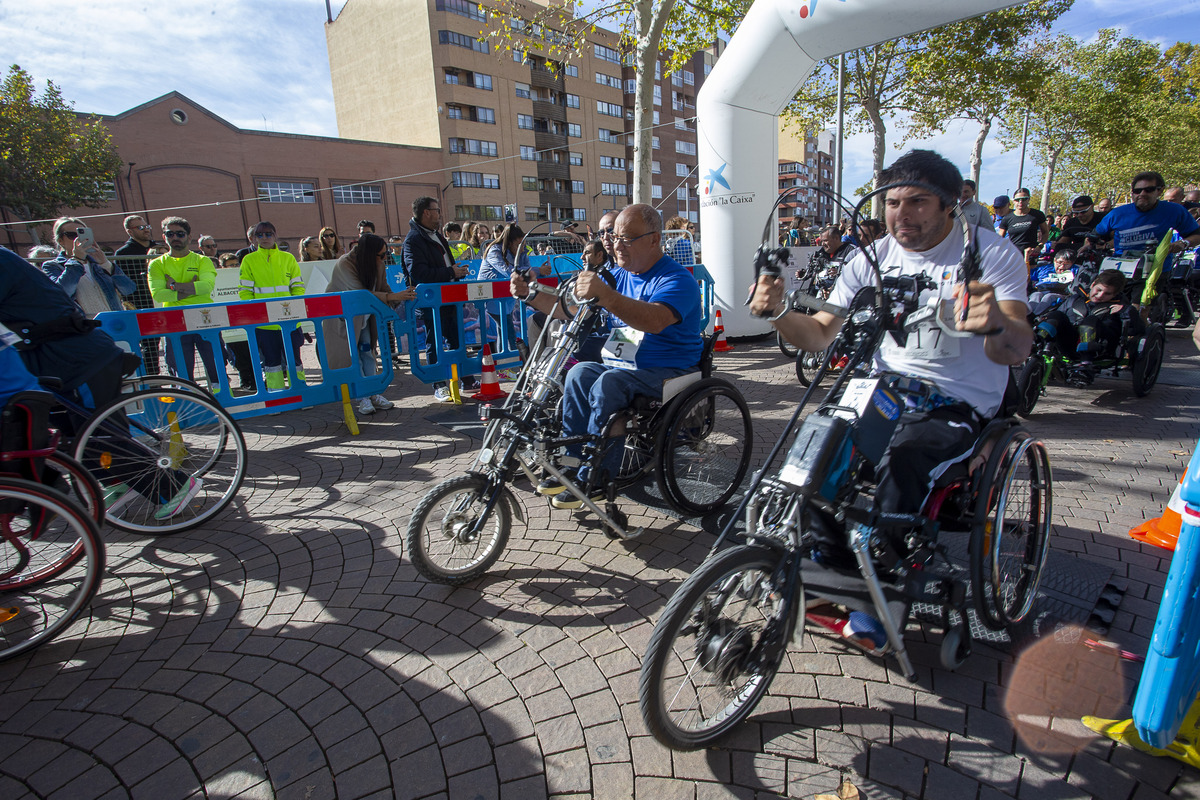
{"points": [[771, 55]]}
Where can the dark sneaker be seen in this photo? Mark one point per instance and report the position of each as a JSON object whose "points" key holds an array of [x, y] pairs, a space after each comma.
{"points": [[550, 487]]}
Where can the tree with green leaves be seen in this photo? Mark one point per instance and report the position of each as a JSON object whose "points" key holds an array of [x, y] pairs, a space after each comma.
{"points": [[647, 29], [50, 158]]}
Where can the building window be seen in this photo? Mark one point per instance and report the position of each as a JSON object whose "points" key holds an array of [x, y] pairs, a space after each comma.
{"points": [[362, 194], [574, 130], [520, 56], [529, 153], [577, 187], [609, 109], [483, 81], [462, 40], [682, 170], [681, 193], [654, 142], [655, 192], [572, 101], [606, 53], [612, 162], [657, 95], [285, 192], [680, 124], [531, 213], [525, 122], [631, 86], [529, 184], [613, 189], [608, 80], [462, 8], [572, 71], [575, 159], [677, 80], [689, 78], [523, 90], [479, 212], [613, 137], [688, 148], [475, 180], [475, 147], [655, 168]]}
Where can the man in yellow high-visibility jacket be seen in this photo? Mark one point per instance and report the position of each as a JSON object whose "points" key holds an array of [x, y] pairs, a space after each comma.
{"points": [[270, 272], [181, 278]]}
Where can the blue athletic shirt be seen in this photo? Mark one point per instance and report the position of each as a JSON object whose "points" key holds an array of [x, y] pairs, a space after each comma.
{"points": [[1137, 230], [667, 282]]}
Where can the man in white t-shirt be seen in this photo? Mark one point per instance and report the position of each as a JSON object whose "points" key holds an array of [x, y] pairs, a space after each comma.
{"points": [[973, 372]]}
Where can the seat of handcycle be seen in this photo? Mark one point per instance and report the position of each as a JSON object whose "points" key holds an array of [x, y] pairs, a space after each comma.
{"points": [[644, 404], [1004, 418]]}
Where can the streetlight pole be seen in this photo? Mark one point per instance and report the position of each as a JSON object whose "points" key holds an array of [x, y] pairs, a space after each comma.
{"points": [[1024, 140], [841, 121]]}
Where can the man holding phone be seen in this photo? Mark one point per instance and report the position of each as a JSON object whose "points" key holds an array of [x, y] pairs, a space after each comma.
{"points": [[84, 272]]}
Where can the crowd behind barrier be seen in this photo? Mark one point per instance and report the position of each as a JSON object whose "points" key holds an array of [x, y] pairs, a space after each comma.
{"points": [[231, 323]]}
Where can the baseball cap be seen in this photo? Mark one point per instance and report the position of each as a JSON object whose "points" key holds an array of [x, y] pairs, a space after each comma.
{"points": [[1083, 201], [1002, 200]]}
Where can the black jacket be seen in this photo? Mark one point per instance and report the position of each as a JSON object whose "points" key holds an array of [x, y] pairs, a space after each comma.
{"points": [[421, 259]]}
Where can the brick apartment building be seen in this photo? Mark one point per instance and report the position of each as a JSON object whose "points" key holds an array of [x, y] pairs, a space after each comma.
{"points": [[177, 153], [807, 163], [516, 129]]}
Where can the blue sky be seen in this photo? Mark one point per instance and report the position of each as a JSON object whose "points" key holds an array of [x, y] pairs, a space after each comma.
{"points": [[263, 65]]}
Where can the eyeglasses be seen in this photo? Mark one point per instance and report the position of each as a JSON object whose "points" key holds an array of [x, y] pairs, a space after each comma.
{"points": [[606, 231], [175, 234], [625, 241], [1020, 199], [266, 235], [1144, 189], [140, 228]]}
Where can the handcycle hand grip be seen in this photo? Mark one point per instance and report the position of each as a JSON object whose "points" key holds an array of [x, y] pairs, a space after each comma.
{"points": [[770, 262]]}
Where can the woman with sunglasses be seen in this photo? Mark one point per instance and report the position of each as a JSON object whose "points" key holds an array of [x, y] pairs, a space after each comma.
{"points": [[83, 271], [331, 246]]}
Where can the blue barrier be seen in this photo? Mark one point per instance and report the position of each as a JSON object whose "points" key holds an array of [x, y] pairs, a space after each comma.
{"points": [[214, 323], [1171, 677]]}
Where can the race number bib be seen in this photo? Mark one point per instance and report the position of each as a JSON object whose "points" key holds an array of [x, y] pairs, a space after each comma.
{"points": [[927, 343], [620, 350]]}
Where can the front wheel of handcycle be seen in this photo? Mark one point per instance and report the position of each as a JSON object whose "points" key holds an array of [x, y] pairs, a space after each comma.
{"points": [[1149, 361], [1029, 384], [449, 541], [704, 446], [169, 459], [51, 564], [1011, 535], [716, 648]]}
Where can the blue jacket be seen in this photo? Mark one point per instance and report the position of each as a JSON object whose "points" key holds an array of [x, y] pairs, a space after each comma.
{"points": [[498, 266], [67, 272], [424, 260]]}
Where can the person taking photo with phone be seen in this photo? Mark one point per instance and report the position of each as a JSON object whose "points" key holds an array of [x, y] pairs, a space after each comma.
{"points": [[84, 272]]}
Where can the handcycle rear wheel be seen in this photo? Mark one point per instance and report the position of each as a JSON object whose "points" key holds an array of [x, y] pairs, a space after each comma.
{"points": [[786, 347], [808, 365], [704, 446], [155, 441], [441, 540], [1149, 361], [1011, 535], [716, 648], [1029, 384], [43, 588]]}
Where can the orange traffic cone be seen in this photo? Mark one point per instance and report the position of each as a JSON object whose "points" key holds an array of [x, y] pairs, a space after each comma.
{"points": [[1163, 531], [722, 345], [489, 388]]}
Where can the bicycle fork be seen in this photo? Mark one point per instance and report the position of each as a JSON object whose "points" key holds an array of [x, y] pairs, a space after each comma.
{"points": [[860, 541]]}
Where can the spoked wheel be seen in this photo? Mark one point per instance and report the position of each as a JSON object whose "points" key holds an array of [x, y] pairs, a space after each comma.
{"points": [[716, 648], [140, 383], [704, 446], [807, 366], [169, 459], [1012, 531], [65, 474], [51, 563], [786, 347], [1149, 361], [637, 455], [448, 541], [1029, 384]]}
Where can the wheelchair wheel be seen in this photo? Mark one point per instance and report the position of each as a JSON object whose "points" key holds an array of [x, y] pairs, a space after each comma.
{"points": [[716, 648], [140, 383], [1149, 361], [1011, 535], [637, 455], [68, 476], [704, 446], [807, 366], [1029, 384], [51, 564], [440, 541], [161, 451], [786, 347]]}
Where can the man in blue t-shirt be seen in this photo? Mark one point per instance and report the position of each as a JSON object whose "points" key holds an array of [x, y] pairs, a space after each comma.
{"points": [[1142, 224], [655, 311]]}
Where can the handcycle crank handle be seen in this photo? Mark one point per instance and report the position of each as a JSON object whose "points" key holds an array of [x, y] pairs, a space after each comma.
{"points": [[942, 313]]}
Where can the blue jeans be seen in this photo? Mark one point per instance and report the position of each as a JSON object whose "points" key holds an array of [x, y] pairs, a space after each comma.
{"points": [[593, 393]]}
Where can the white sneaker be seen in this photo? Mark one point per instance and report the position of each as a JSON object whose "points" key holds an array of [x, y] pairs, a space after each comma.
{"points": [[380, 402], [365, 406], [442, 395], [190, 489]]}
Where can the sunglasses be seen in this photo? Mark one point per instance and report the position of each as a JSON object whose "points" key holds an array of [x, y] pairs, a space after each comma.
{"points": [[328, 236], [1145, 189], [267, 235], [606, 231], [69, 235], [140, 227], [175, 234], [1020, 199]]}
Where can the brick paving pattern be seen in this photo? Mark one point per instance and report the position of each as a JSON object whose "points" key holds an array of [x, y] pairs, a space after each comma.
{"points": [[291, 650]]}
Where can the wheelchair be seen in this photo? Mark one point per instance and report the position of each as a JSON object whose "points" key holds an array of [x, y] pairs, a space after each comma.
{"points": [[810, 538], [1138, 352], [695, 443]]}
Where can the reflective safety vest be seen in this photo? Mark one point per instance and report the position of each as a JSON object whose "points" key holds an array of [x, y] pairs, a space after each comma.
{"points": [[269, 273]]}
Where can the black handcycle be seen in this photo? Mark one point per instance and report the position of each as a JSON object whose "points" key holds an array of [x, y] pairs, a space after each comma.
{"points": [[810, 533], [695, 441]]}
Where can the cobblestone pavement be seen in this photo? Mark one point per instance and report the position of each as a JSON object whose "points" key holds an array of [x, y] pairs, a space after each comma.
{"points": [[291, 650]]}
